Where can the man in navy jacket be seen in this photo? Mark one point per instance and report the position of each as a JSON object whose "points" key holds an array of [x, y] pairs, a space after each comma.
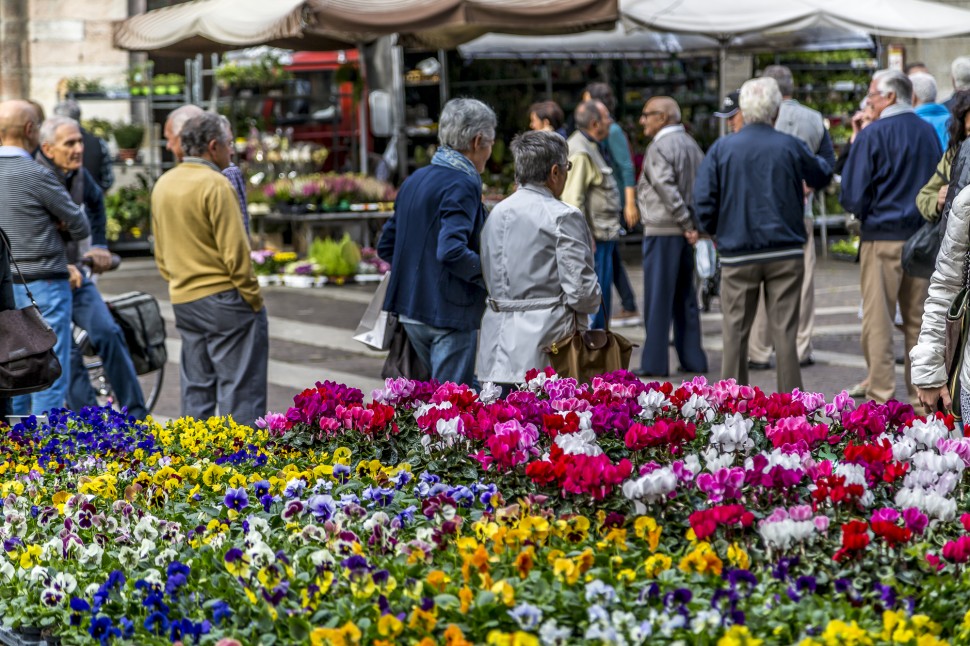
{"points": [[432, 243], [890, 161], [749, 196]]}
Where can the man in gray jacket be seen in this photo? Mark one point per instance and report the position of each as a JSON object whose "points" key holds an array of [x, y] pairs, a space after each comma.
{"points": [[664, 195], [38, 216], [592, 188]]}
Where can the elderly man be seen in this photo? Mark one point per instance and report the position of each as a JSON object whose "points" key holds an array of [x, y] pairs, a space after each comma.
{"points": [[960, 76], [888, 164], [926, 107], [665, 197], [592, 188], [757, 220], [176, 120], [37, 215], [202, 251], [432, 242], [97, 158], [808, 125], [534, 304], [62, 150]]}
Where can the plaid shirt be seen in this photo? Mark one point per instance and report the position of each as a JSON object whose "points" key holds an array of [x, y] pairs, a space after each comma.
{"points": [[235, 177]]}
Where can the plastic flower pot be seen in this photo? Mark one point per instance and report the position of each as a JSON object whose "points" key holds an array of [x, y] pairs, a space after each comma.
{"points": [[298, 280]]}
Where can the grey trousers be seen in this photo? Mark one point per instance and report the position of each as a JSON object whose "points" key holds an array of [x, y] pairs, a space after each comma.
{"points": [[740, 288], [225, 352]]}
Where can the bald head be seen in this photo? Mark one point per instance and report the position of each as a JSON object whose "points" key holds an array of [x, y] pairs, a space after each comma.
{"points": [[18, 125], [658, 113], [173, 127]]}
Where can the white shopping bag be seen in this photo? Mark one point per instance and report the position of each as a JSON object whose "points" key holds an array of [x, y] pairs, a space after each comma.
{"points": [[373, 330], [705, 258]]}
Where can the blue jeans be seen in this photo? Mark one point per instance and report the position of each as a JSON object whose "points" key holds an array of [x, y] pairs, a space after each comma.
{"points": [[54, 300], [449, 353], [107, 339], [603, 259], [622, 282]]}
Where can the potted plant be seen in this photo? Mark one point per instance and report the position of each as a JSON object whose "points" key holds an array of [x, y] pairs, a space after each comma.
{"points": [[128, 211], [338, 261], [129, 137], [301, 273]]}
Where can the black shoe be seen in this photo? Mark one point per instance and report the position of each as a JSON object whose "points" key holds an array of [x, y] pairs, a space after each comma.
{"points": [[807, 361], [758, 365]]}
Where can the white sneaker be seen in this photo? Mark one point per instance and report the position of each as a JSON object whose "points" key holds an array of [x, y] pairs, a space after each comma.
{"points": [[625, 319]]}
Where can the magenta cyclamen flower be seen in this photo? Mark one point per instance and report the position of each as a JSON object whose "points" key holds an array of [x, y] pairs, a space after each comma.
{"points": [[723, 485], [886, 514]]}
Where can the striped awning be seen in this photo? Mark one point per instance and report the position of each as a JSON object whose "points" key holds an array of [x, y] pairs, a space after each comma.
{"points": [[219, 25], [222, 25]]}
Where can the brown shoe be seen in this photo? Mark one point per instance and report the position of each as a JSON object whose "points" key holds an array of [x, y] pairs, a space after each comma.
{"points": [[857, 390]]}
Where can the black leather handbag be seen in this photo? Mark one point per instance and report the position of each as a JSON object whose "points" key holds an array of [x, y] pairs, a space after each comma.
{"points": [[27, 360], [920, 251]]}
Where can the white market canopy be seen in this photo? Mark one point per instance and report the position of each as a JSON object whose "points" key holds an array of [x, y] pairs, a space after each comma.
{"points": [[723, 20], [627, 42]]}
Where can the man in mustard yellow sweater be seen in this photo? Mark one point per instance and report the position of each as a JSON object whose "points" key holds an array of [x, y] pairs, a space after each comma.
{"points": [[202, 251]]}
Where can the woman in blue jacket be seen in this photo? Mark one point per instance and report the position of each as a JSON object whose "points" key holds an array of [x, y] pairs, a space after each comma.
{"points": [[432, 243]]}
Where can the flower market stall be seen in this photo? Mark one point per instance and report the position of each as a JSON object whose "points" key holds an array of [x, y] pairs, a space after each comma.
{"points": [[615, 512]]}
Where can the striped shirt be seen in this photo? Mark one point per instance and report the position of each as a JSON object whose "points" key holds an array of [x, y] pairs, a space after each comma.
{"points": [[239, 183], [35, 202]]}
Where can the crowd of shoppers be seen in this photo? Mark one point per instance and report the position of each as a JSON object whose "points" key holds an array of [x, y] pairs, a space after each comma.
{"points": [[55, 223], [545, 261]]}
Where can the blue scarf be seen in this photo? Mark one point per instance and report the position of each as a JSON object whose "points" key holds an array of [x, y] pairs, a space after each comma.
{"points": [[451, 158]]}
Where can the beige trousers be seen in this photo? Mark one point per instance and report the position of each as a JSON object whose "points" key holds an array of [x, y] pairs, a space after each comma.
{"points": [[884, 285], [759, 345], [740, 287]]}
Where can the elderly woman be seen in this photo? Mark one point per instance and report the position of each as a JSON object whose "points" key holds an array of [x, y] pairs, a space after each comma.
{"points": [[436, 287], [538, 263]]}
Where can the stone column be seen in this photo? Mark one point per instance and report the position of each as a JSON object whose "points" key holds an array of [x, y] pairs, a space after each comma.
{"points": [[14, 57]]}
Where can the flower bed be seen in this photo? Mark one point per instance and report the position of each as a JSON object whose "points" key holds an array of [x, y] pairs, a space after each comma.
{"points": [[616, 513]]}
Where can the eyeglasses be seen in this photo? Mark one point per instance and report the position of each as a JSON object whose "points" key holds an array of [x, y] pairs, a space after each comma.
{"points": [[648, 113], [567, 167], [873, 95]]}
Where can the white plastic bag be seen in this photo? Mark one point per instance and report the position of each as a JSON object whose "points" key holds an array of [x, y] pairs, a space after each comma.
{"points": [[373, 330], [705, 258]]}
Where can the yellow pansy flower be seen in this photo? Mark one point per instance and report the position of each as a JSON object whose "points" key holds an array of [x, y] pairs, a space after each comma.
{"points": [[389, 626], [738, 636], [646, 528], [656, 564]]}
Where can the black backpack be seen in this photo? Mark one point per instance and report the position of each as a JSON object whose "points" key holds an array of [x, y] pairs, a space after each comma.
{"points": [[138, 316]]}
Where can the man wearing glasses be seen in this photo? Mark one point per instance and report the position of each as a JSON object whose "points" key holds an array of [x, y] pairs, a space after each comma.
{"points": [[888, 164], [664, 195]]}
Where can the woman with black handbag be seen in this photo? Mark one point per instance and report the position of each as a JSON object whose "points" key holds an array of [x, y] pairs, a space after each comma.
{"points": [[6, 303]]}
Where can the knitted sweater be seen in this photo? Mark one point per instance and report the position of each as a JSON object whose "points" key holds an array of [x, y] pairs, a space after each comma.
{"points": [[201, 247]]}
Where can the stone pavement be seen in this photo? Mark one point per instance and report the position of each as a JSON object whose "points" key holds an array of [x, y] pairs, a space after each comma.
{"points": [[311, 334]]}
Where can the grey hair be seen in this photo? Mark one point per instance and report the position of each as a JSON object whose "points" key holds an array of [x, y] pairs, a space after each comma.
{"points": [[198, 131], [960, 71], [226, 124], [179, 116], [587, 112], [759, 100], [69, 108], [896, 82], [535, 153], [464, 119], [48, 129], [924, 87], [783, 77]]}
